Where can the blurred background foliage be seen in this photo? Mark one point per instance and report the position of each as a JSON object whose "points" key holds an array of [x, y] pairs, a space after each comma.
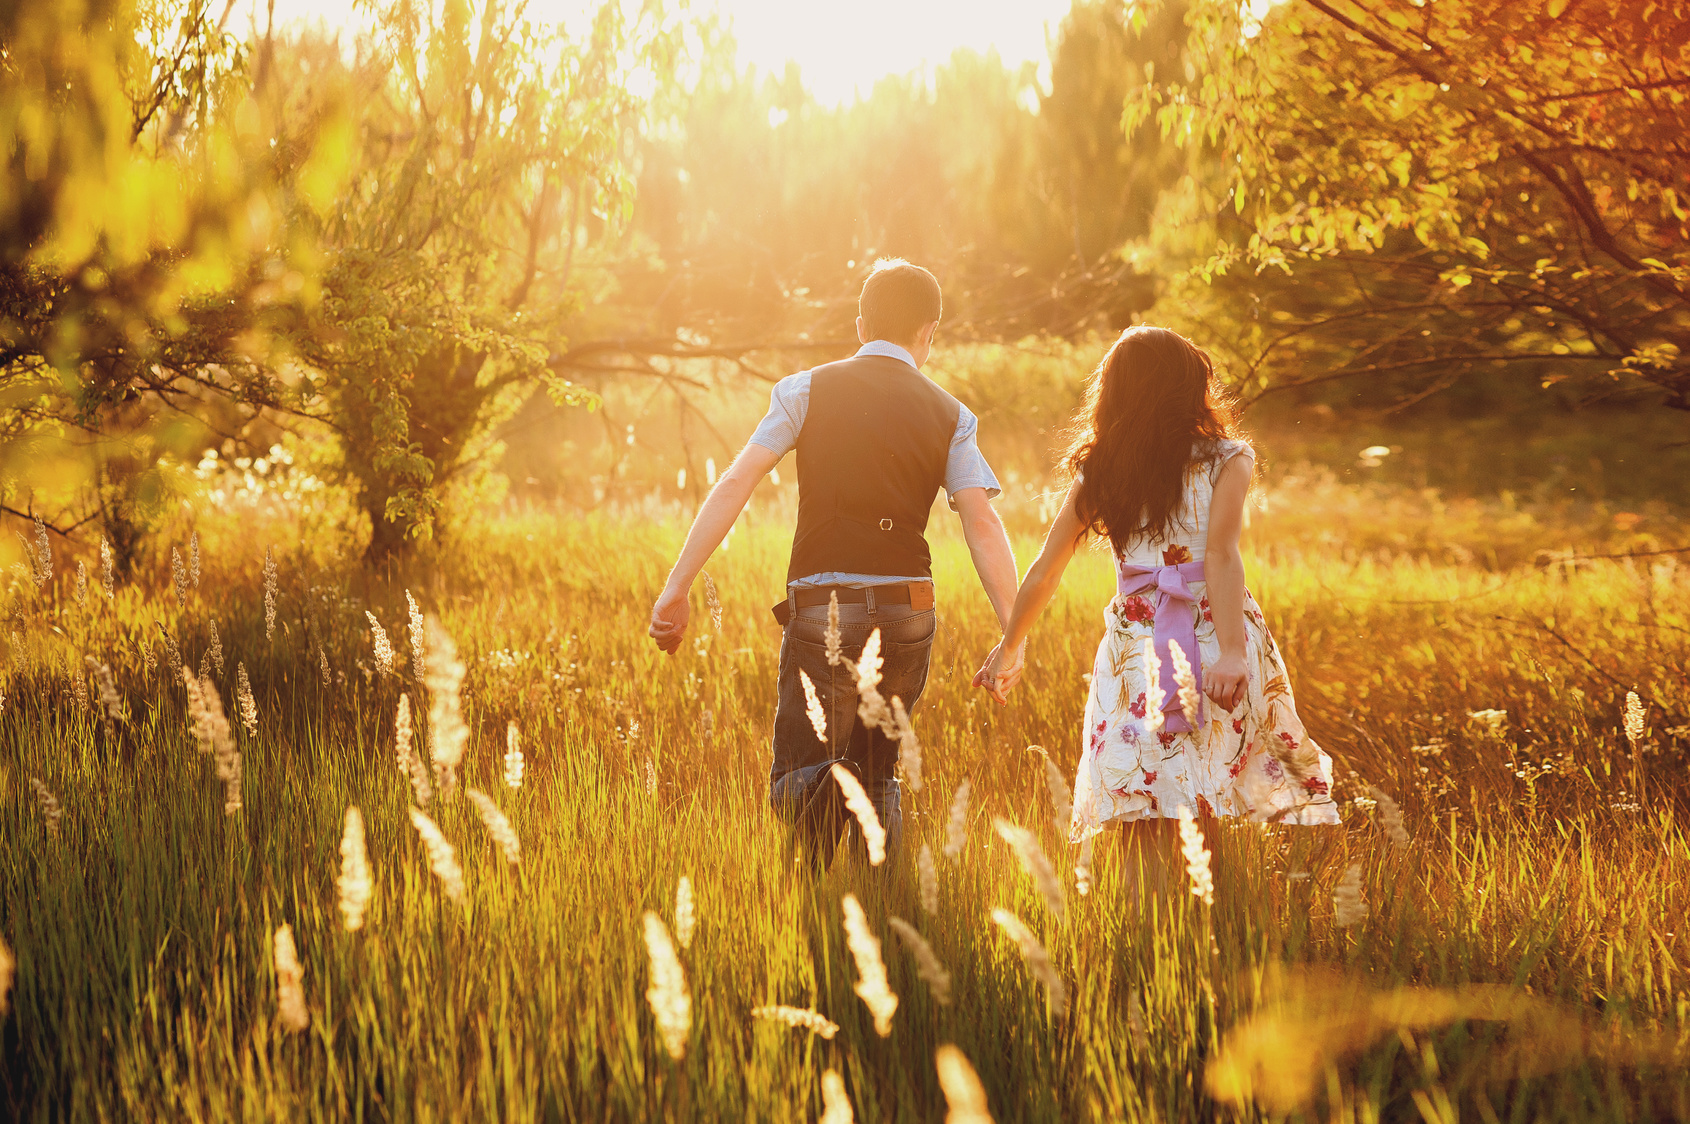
{"points": [[455, 255]]}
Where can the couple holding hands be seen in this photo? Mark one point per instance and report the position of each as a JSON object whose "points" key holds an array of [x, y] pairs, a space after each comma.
{"points": [[1156, 466]]}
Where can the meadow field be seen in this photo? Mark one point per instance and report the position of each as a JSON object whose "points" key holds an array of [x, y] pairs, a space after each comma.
{"points": [[1522, 954]]}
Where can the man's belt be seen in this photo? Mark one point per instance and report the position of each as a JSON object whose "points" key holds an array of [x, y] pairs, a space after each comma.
{"points": [[917, 595]]}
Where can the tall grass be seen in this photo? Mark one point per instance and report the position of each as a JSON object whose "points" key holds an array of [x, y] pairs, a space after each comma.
{"points": [[1545, 859]]}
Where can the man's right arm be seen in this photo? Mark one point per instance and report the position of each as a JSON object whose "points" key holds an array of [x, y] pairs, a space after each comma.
{"points": [[988, 545]]}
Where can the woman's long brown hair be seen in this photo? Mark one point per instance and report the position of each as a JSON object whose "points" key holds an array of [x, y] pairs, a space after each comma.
{"points": [[1152, 405]]}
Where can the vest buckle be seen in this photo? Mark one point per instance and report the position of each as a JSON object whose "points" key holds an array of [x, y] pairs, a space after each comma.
{"points": [[885, 524]]}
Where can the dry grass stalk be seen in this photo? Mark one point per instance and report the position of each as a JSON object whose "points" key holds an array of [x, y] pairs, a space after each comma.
{"points": [[356, 884], [964, 1094], [290, 983], [1635, 719], [81, 583], [927, 881], [444, 676], [1038, 960], [42, 555], [874, 836], [498, 826], [108, 569], [1348, 908], [799, 1019], [872, 987], [1196, 857], [686, 912], [383, 647], [830, 637], [216, 652], [442, 859], [51, 813], [194, 561], [211, 731], [667, 994], [1082, 867], [245, 703], [1033, 860], [179, 578], [8, 966], [836, 1106], [271, 590], [871, 708], [813, 707], [513, 756], [418, 631], [1061, 800], [105, 688], [1187, 681], [927, 965], [1390, 817], [713, 603], [909, 749], [1153, 698], [956, 828]]}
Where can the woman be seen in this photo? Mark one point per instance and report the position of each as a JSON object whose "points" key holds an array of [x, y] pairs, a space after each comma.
{"points": [[1159, 470]]}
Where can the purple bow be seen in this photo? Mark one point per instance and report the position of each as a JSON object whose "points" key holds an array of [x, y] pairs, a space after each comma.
{"points": [[1175, 620]]}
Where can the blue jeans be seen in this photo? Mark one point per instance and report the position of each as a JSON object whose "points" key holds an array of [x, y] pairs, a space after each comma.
{"points": [[906, 643]]}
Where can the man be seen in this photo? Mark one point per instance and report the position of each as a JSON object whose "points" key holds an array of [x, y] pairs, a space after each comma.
{"points": [[876, 440]]}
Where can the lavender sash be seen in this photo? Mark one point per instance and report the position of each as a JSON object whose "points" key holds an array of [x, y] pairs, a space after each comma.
{"points": [[1175, 620]]}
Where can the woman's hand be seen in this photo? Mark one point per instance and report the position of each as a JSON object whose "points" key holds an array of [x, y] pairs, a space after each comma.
{"points": [[1002, 671], [1226, 682]]}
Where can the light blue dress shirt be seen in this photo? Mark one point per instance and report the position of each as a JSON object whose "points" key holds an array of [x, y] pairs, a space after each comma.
{"points": [[965, 467]]}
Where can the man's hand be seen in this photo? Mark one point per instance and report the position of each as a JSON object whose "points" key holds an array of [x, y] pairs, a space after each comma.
{"points": [[1001, 672], [1226, 682], [669, 619]]}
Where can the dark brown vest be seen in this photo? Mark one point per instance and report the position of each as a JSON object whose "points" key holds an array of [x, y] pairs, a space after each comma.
{"points": [[871, 459]]}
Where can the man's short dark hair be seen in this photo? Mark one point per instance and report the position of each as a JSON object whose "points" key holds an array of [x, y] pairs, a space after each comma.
{"points": [[898, 300]]}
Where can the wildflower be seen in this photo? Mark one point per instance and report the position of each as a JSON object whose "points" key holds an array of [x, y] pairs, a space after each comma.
{"points": [[106, 688], [1082, 868], [831, 636], [1634, 719], [51, 813], [871, 986], [871, 708], [713, 603], [1187, 681], [1347, 906], [1032, 857], [928, 881], [927, 964], [813, 707], [356, 884], [956, 828], [419, 630], [108, 569], [1061, 801], [874, 836], [270, 592], [909, 750], [216, 652], [247, 705], [290, 983], [497, 825], [964, 1095], [1038, 960], [384, 649], [179, 578], [836, 1106], [798, 1019], [667, 993], [194, 561], [81, 583], [513, 756], [447, 734], [442, 859], [686, 915], [1390, 817], [1153, 690], [1196, 856]]}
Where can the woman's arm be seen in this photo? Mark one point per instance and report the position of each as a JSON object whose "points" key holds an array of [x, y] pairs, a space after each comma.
{"points": [[1223, 572], [1003, 668]]}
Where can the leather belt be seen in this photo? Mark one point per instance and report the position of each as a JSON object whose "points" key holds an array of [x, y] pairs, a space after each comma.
{"points": [[917, 595]]}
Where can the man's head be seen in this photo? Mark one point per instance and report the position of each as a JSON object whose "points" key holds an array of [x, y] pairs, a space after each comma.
{"points": [[900, 304]]}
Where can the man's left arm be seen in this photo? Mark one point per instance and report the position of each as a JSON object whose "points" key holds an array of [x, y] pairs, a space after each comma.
{"points": [[972, 486], [715, 519]]}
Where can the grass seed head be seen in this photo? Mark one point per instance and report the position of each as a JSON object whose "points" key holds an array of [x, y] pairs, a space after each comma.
{"points": [[81, 583], [108, 569], [1035, 863], [105, 688], [211, 731], [686, 912], [831, 637], [442, 859], [927, 965], [1348, 908], [1061, 800], [79, 688], [928, 881], [356, 883], [813, 707], [874, 835], [498, 826], [1196, 857], [956, 827], [909, 749], [799, 1019], [1153, 698], [713, 602], [179, 578], [51, 813], [871, 987], [194, 561], [323, 666], [171, 651], [1187, 682], [383, 647], [871, 708], [1390, 817], [444, 676], [216, 650], [513, 756], [1037, 959], [419, 643], [290, 983], [964, 1095], [836, 1105], [1635, 721], [667, 992], [244, 701], [271, 590], [1082, 867], [42, 555]]}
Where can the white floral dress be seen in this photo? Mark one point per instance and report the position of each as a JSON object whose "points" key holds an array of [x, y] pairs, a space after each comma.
{"points": [[1256, 762]]}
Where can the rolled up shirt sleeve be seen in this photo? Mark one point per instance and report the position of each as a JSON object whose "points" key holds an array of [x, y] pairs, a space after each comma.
{"points": [[966, 466], [788, 403]]}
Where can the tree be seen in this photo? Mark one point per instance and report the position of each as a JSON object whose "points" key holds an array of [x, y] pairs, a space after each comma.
{"points": [[1443, 189]]}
